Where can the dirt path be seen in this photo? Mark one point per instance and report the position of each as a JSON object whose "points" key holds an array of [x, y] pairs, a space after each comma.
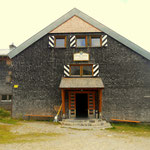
{"points": [[71, 139]]}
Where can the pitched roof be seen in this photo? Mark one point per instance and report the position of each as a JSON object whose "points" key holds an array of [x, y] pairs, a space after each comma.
{"points": [[88, 19], [4, 52]]}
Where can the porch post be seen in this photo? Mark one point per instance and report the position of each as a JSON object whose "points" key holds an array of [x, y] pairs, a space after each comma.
{"points": [[100, 103], [63, 101]]}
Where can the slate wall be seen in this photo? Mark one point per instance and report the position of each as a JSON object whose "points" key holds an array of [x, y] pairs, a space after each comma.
{"points": [[125, 74], [5, 87]]}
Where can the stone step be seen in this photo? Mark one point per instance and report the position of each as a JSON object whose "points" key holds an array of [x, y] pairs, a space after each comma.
{"points": [[92, 123], [84, 120]]}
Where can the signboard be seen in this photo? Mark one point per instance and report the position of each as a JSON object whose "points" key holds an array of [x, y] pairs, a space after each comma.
{"points": [[81, 56], [16, 86]]}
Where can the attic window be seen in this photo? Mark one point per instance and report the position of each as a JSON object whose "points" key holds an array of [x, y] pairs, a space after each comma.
{"points": [[95, 41], [60, 41], [81, 41]]}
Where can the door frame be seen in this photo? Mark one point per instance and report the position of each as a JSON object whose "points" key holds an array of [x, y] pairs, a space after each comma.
{"points": [[89, 110]]}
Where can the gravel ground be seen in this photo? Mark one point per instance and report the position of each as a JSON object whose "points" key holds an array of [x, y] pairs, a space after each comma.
{"points": [[71, 139]]}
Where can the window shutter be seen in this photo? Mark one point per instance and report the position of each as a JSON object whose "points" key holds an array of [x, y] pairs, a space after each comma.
{"points": [[96, 70], [51, 41], [66, 70], [72, 41], [104, 41]]}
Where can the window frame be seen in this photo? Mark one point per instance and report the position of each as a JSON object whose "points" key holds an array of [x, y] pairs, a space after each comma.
{"points": [[81, 36], [60, 37], [8, 99], [81, 70], [95, 36]]}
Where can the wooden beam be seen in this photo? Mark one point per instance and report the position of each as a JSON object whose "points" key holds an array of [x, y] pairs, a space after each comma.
{"points": [[100, 100], [63, 101], [27, 115], [101, 41], [119, 120]]}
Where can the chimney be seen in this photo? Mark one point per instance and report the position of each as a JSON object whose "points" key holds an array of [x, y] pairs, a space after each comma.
{"points": [[12, 46]]}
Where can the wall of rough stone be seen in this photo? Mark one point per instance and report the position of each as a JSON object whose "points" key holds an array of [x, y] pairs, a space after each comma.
{"points": [[125, 74], [5, 86]]}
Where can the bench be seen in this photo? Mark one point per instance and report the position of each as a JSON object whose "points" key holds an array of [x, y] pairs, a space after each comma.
{"points": [[46, 116], [118, 120]]}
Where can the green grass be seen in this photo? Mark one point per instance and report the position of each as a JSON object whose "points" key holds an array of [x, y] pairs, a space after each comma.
{"points": [[9, 120], [131, 128], [6, 136], [5, 117], [4, 113]]}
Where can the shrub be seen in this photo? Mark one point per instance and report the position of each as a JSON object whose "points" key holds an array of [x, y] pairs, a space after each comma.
{"points": [[4, 113]]}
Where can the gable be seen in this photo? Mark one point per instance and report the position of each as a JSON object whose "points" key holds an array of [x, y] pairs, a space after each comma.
{"points": [[87, 19], [75, 24]]}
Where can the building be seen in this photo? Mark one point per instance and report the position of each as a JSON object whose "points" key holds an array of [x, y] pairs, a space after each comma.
{"points": [[85, 66], [5, 79]]}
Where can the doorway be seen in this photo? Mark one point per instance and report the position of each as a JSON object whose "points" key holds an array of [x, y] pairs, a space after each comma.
{"points": [[81, 105]]}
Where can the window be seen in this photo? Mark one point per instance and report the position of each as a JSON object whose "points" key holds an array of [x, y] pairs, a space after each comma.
{"points": [[81, 70], [6, 98], [96, 41], [5, 60], [87, 70], [60, 41], [75, 70], [8, 62], [81, 41]]}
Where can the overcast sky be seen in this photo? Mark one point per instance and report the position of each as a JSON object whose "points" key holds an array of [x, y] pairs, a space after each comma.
{"points": [[21, 19]]}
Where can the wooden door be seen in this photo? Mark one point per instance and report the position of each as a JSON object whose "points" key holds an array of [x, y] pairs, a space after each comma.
{"points": [[91, 104], [72, 104]]}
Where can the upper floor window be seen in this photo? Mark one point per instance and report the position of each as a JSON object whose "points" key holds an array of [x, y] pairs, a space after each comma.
{"points": [[60, 41], [81, 41], [81, 70], [96, 41]]}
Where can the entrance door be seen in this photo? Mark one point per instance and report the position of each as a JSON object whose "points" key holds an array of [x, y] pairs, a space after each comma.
{"points": [[81, 105]]}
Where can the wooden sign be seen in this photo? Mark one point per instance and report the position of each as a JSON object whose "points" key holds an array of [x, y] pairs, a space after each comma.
{"points": [[81, 56]]}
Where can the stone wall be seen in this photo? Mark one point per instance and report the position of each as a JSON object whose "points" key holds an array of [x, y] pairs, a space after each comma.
{"points": [[5, 82], [125, 74]]}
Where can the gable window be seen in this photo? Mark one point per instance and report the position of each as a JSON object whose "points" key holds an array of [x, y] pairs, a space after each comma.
{"points": [[96, 41], [60, 41], [81, 70], [81, 41]]}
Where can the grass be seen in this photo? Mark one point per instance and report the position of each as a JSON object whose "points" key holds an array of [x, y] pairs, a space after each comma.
{"points": [[5, 117], [6, 136], [131, 128], [4, 113], [9, 120]]}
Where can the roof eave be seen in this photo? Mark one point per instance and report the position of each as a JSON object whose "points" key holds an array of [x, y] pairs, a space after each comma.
{"points": [[88, 19], [43, 32]]}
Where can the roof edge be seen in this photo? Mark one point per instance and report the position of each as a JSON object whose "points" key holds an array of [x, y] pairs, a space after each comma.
{"points": [[41, 33], [89, 20]]}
